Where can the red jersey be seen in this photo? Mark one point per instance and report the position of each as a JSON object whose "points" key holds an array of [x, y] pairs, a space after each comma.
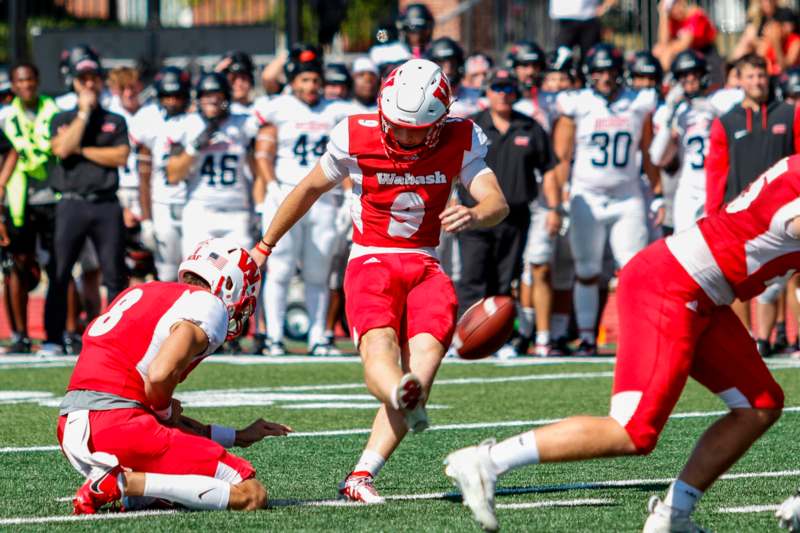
{"points": [[746, 246], [397, 204], [119, 345], [698, 25]]}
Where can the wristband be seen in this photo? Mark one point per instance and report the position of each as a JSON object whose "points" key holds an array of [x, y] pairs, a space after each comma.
{"points": [[164, 414], [190, 150], [657, 203], [83, 115], [264, 247], [223, 435]]}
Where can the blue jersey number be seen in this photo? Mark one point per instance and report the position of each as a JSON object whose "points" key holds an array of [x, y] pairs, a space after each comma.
{"points": [[222, 166], [619, 147], [696, 150]]}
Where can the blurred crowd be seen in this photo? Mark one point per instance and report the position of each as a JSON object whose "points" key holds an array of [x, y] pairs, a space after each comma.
{"points": [[113, 182]]}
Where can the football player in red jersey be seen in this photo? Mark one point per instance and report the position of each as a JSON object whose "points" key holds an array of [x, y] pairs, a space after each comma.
{"points": [[680, 326], [401, 307], [121, 428]]}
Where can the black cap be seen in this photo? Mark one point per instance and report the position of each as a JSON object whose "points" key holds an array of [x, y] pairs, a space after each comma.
{"points": [[603, 56], [644, 63], [240, 62], [502, 76], [526, 53]]}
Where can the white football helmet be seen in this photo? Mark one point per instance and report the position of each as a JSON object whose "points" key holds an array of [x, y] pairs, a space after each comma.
{"points": [[231, 274], [415, 95]]}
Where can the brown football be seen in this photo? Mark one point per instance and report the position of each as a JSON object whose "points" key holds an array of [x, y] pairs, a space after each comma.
{"points": [[485, 327]]}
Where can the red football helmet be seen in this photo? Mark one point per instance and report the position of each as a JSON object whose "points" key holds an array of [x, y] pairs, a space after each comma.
{"points": [[231, 274], [415, 95]]}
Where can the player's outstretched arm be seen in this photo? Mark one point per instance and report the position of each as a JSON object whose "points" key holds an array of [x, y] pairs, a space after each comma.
{"points": [[563, 145], [296, 204], [491, 207], [185, 341]]}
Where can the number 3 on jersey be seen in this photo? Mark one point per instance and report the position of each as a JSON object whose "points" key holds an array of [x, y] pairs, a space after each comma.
{"points": [[221, 166], [303, 149], [619, 146], [106, 322]]}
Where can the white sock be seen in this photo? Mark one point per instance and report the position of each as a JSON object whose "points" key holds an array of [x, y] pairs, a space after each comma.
{"points": [[542, 338], [371, 462], [194, 492], [587, 302], [317, 296], [519, 450], [682, 496], [527, 319], [275, 295], [559, 323]]}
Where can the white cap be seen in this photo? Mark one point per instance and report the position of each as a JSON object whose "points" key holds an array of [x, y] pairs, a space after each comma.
{"points": [[364, 64]]}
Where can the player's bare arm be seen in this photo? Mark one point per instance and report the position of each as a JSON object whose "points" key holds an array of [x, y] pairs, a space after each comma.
{"points": [[296, 204], [653, 174], [185, 341], [552, 191], [144, 165], [491, 207], [264, 160], [563, 146]]}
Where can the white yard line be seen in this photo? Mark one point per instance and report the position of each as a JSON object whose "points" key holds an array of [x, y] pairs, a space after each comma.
{"points": [[750, 509], [79, 518], [556, 503]]}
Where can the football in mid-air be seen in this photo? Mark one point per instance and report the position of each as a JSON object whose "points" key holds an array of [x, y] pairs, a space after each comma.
{"points": [[484, 327]]}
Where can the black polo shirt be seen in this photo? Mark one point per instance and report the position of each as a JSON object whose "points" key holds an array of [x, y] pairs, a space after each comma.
{"points": [[76, 174], [514, 157]]}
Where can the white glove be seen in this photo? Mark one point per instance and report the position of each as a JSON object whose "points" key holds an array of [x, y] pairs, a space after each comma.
{"points": [[788, 514], [147, 234], [343, 217]]}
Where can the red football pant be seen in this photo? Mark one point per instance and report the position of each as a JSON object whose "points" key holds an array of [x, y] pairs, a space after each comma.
{"points": [[670, 330], [407, 292], [140, 442]]}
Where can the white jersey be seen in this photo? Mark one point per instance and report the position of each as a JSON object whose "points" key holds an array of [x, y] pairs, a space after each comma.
{"points": [[303, 132], [152, 129], [218, 179], [129, 174], [237, 108], [692, 121], [467, 102], [607, 138], [542, 110]]}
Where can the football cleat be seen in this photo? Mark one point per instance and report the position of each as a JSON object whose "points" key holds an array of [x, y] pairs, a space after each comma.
{"points": [[409, 398], [586, 349], [542, 350], [506, 352], [276, 348], [95, 493], [325, 349], [788, 514], [359, 487], [50, 349], [665, 519], [473, 473], [560, 347]]}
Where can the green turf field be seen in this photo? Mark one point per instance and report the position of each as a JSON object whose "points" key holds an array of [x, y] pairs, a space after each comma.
{"points": [[330, 409]]}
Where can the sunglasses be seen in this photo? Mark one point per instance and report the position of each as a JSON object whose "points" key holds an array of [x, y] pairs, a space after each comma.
{"points": [[503, 88]]}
